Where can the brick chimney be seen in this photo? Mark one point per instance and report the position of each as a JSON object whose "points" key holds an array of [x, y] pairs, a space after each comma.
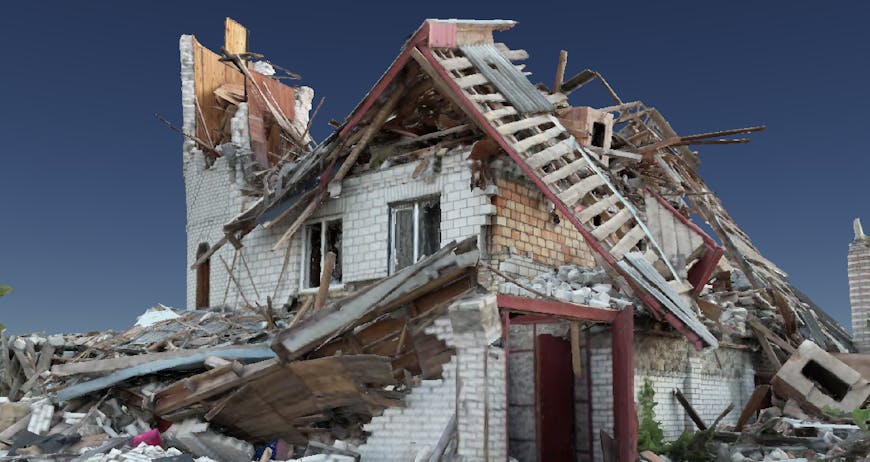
{"points": [[859, 287]]}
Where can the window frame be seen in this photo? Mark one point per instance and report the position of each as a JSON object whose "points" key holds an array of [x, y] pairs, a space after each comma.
{"points": [[306, 253], [413, 205]]}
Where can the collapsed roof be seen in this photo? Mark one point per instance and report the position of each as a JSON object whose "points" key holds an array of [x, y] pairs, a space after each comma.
{"points": [[630, 197]]}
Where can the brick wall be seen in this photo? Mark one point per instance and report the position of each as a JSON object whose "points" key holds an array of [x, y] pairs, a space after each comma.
{"points": [[859, 292], [524, 226], [710, 380], [472, 388]]}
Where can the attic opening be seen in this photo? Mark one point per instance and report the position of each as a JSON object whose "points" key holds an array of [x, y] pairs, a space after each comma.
{"points": [[826, 380], [598, 131]]}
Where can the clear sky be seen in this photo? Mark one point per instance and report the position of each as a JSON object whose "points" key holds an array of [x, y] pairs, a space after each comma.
{"points": [[91, 194]]}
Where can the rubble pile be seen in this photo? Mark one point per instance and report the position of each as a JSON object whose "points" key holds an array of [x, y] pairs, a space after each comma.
{"points": [[573, 284], [231, 385]]}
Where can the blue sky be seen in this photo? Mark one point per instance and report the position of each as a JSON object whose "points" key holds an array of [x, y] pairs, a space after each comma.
{"points": [[91, 192]]}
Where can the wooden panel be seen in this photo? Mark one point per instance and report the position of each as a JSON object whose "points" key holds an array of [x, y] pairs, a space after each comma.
{"points": [[209, 74], [264, 131], [554, 390], [235, 37]]}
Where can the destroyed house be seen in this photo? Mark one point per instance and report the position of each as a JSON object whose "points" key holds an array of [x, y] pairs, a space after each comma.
{"points": [[469, 264]]}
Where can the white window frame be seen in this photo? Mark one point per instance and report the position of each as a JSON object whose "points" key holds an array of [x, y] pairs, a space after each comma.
{"points": [[409, 205], [306, 253]]}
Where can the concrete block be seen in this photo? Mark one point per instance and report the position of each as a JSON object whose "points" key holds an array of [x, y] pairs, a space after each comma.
{"points": [[817, 379]]}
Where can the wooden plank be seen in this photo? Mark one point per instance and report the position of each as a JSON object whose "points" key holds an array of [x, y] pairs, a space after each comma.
{"points": [[325, 278], [548, 134], [565, 171], [488, 98], [597, 208], [768, 350], [576, 364], [235, 37], [580, 189], [209, 74], [551, 153], [522, 124], [699, 422], [191, 357], [628, 241], [470, 80], [496, 114], [752, 406], [779, 341], [612, 225]]}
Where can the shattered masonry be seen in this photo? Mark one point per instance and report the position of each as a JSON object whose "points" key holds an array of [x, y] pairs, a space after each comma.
{"points": [[469, 268]]}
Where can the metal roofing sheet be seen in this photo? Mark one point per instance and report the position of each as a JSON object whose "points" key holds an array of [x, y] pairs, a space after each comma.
{"points": [[506, 78]]}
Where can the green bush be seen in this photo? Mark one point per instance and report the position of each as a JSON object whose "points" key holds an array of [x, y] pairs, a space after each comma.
{"points": [[650, 436]]}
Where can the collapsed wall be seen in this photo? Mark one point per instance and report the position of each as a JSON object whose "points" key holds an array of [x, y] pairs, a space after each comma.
{"points": [[470, 396]]}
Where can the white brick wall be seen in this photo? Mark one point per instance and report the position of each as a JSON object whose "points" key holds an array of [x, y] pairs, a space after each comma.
{"points": [[476, 376], [710, 380], [214, 198]]}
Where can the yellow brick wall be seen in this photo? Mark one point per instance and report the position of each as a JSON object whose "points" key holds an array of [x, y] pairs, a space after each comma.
{"points": [[523, 221]]}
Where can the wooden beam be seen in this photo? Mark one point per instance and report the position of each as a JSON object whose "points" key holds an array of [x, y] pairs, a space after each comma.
{"points": [[575, 349], [560, 71], [752, 406], [556, 308], [325, 278], [699, 422], [624, 413]]}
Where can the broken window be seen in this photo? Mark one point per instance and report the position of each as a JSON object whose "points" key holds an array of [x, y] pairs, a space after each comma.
{"points": [[321, 238], [415, 232]]}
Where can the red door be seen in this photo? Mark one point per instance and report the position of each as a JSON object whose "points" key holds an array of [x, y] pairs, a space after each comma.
{"points": [[554, 387]]}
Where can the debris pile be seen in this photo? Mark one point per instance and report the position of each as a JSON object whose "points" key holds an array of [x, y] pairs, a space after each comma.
{"points": [[224, 385]]}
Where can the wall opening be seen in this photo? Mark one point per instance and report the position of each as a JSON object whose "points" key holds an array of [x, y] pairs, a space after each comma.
{"points": [[598, 131], [203, 277], [826, 380]]}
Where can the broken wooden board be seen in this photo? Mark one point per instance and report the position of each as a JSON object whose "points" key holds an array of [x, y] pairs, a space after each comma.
{"points": [[452, 262], [151, 367]]}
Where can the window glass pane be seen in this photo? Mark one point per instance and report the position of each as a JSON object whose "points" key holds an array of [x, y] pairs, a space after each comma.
{"points": [[403, 238], [314, 255], [333, 244], [429, 227]]}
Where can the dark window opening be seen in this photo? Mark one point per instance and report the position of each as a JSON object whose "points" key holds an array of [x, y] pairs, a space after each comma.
{"points": [[415, 232], [598, 131], [826, 380], [321, 238], [203, 277], [596, 220]]}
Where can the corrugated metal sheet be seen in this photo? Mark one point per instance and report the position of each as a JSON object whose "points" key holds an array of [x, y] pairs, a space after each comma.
{"points": [[649, 278], [506, 78]]}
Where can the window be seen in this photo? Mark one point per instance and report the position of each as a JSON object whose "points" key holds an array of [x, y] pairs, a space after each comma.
{"points": [[415, 232], [321, 238]]}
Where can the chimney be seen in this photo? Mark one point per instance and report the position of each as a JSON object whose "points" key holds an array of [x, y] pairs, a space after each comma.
{"points": [[859, 287]]}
